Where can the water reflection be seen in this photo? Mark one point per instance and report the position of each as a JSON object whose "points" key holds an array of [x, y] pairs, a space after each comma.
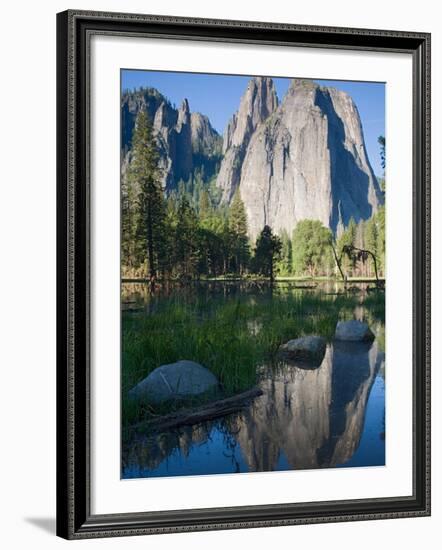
{"points": [[304, 419]]}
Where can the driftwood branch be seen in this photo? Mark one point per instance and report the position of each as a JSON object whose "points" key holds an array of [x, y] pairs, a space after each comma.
{"points": [[209, 411]]}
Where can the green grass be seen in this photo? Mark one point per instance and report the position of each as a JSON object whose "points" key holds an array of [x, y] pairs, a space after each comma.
{"points": [[230, 335]]}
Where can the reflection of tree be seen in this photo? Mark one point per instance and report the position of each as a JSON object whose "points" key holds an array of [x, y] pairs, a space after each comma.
{"points": [[148, 452]]}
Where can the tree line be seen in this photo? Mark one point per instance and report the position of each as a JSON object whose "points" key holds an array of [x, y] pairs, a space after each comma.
{"points": [[314, 251], [188, 236]]}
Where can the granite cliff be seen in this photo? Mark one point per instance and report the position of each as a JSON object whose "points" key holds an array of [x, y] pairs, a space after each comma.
{"points": [[257, 104], [305, 158], [186, 140]]}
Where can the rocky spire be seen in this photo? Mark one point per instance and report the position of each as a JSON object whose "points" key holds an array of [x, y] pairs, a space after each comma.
{"points": [[183, 148], [180, 135], [257, 104], [205, 140], [183, 115]]}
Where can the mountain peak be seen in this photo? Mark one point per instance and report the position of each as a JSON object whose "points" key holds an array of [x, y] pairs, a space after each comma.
{"points": [[185, 140], [185, 106], [297, 84], [309, 163], [257, 103]]}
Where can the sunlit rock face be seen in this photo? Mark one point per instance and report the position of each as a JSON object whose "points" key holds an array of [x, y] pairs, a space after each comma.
{"points": [[257, 104], [305, 160]]}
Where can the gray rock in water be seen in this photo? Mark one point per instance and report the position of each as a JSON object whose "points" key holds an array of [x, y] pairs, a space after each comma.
{"points": [[308, 349], [353, 331], [174, 381]]}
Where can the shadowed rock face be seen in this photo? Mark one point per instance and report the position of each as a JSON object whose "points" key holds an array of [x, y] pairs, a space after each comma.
{"points": [[305, 160], [184, 139], [349, 398], [205, 140]]}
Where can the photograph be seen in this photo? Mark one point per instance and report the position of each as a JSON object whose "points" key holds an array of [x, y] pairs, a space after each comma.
{"points": [[253, 273], [243, 273]]}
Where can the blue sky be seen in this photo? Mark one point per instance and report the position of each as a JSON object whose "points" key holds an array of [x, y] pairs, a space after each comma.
{"points": [[218, 96]]}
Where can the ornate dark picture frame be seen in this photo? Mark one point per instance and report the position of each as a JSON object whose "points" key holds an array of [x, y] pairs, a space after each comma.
{"points": [[74, 518]]}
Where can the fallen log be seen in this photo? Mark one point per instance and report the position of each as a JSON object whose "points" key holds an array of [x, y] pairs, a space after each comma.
{"points": [[209, 411]]}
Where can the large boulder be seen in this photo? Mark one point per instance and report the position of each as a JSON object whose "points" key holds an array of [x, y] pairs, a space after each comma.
{"points": [[179, 380], [353, 331], [308, 350]]}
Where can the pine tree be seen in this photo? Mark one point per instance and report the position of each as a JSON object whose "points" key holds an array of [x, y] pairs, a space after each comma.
{"points": [[204, 205], [187, 246], [267, 253], [226, 236], [127, 224], [381, 141], [380, 245], [371, 239], [144, 177], [240, 239]]}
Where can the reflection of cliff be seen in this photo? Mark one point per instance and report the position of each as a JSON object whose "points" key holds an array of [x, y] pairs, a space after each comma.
{"points": [[291, 417], [313, 417], [354, 369]]}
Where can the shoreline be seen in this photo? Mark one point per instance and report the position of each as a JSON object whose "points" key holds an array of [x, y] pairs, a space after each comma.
{"points": [[143, 280]]}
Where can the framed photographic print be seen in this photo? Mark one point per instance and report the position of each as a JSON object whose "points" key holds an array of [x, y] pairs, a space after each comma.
{"points": [[243, 274]]}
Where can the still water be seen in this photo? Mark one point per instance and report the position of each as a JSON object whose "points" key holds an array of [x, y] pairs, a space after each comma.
{"points": [[328, 417]]}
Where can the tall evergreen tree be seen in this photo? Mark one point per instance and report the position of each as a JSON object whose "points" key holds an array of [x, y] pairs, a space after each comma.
{"points": [[187, 246], [226, 236], [204, 205], [128, 226], [144, 177], [267, 253], [371, 240], [381, 141], [380, 225], [240, 239]]}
